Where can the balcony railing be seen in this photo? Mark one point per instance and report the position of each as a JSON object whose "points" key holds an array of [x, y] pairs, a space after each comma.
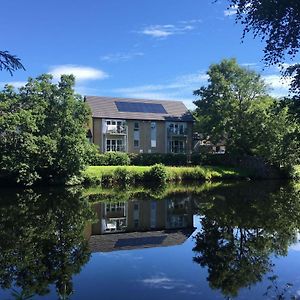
{"points": [[115, 148], [177, 131], [116, 129]]}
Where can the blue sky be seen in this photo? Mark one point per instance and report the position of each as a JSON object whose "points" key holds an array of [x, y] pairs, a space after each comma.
{"points": [[158, 49]]}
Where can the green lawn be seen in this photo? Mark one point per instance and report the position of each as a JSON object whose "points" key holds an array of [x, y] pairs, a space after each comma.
{"points": [[203, 173]]}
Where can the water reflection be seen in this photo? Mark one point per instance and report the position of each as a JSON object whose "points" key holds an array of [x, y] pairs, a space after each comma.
{"points": [[143, 224], [46, 237], [42, 241], [240, 228]]}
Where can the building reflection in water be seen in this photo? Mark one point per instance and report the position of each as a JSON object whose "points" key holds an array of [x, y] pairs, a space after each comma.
{"points": [[141, 224]]}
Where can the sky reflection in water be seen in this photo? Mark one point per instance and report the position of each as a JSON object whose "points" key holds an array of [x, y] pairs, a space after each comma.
{"points": [[213, 241]]}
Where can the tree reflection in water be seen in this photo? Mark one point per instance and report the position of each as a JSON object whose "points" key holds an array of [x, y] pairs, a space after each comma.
{"points": [[241, 228], [41, 241]]}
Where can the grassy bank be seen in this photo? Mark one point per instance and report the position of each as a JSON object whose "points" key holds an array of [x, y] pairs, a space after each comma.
{"points": [[111, 175]]}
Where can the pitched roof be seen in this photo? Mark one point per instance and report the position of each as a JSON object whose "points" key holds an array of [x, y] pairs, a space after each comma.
{"points": [[138, 109], [138, 240]]}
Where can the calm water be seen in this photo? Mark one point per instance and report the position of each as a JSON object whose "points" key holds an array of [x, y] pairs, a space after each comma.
{"points": [[211, 241]]}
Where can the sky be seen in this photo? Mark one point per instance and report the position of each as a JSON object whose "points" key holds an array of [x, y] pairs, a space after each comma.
{"points": [[151, 49]]}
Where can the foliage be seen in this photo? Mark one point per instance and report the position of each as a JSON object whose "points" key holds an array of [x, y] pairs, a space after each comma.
{"points": [[156, 174], [123, 177], [277, 22], [110, 175], [9, 62], [42, 240], [234, 108], [149, 159], [117, 159], [108, 159], [43, 131], [238, 232]]}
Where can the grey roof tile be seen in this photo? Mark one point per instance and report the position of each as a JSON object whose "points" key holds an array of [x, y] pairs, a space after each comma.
{"points": [[105, 107]]}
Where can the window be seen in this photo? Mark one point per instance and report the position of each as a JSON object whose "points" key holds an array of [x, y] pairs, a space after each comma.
{"points": [[136, 135], [177, 146], [114, 145], [153, 134], [177, 128]]}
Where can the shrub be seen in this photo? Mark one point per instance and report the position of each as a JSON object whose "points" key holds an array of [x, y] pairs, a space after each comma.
{"points": [[107, 159], [117, 159], [122, 176], [198, 159], [156, 174], [150, 159]]}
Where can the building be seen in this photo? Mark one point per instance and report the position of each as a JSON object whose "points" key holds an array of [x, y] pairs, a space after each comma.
{"points": [[140, 126], [140, 224]]}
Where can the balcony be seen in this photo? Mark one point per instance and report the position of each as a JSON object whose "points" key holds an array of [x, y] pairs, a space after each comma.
{"points": [[177, 131], [116, 129]]}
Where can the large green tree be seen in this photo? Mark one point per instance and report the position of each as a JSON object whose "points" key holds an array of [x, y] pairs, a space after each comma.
{"points": [[43, 131], [236, 108]]}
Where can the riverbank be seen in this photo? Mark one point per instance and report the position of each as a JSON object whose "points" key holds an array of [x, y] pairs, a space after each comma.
{"points": [[116, 175]]}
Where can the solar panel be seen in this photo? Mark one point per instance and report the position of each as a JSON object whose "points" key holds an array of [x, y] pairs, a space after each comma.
{"points": [[140, 107]]}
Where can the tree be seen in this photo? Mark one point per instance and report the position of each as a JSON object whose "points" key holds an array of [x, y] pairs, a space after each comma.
{"points": [[43, 131], [278, 23], [9, 62], [236, 108], [275, 21]]}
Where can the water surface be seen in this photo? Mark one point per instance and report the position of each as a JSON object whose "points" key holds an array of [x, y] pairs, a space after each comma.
{"points": [[212, 241]]}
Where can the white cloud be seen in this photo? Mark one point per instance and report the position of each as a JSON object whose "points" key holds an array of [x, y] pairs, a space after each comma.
{"points": [[230, 11], [163, 282], [193, 21], [81, 73], [116, 57], [277, 82], [15, 84], [163, 31], [180, 88]]}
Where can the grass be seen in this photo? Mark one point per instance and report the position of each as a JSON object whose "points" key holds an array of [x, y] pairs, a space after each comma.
{"points": [[101, 194], [135, 174]]}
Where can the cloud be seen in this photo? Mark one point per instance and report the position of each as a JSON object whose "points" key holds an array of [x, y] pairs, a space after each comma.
{"points": [[180, 88], [15, 84], [230, 11], [117, 57], [161, 281], [81, 73], [277, 82], [254, 65], [163, 31]]}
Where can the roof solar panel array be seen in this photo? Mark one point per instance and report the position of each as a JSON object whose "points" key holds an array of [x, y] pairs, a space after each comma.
{"points": [[140, 107]]}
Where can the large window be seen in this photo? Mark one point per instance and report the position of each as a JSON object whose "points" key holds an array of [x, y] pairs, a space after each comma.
{"points": [[136, 134], [177, 146], [177, 128], [153, 134], [115, 145]]}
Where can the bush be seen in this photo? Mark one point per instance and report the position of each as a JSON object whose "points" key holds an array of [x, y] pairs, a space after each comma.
{"points": [[95, 158], [197, 159], [156, 174], [117, 159], [150, 159], [123, 177]]}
